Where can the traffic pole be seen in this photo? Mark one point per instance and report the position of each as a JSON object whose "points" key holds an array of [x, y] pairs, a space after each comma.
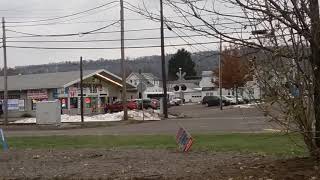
{"points": [[81, 92], [5, 75], [123, 68], [163, 65]]}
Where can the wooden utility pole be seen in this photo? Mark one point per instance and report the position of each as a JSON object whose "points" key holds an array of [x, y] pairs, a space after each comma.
{"points": [[220, 73], [123, 68], [5, 75], [163, 66], [81, 92]]}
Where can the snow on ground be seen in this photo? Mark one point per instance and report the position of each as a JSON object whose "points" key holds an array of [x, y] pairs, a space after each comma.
{"points": [[136, 115], [245, 105]]}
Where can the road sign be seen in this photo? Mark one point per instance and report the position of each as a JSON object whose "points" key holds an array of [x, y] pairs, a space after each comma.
{"points": [[182, 75]]}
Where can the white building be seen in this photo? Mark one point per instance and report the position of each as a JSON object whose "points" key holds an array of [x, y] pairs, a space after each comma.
{"points": [[192, 93], [151, 83], [252, 90]]}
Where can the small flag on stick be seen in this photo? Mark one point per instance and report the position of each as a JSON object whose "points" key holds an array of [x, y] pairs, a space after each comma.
{"points": [[3, 141], [184, 140]]}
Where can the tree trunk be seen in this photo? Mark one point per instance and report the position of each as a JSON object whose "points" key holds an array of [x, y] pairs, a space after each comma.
{"points": [[315, 60], [317, 101]]}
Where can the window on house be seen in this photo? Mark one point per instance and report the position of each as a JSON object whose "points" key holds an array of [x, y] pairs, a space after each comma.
{"points": [[74, 102]]}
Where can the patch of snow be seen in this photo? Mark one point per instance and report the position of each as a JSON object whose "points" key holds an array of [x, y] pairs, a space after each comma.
{"points": [[244, 106], [135, 115]]}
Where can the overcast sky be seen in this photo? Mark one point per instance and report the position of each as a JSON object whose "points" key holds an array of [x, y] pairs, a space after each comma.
{"points": [[33, 10]]}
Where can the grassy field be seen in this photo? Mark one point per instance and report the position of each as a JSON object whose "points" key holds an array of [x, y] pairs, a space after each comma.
{"points": [[269, 144]]}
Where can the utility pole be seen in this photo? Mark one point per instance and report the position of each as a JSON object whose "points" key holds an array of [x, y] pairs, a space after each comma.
{"points": [[5, 75], [163, 65], [81, 92], [123, 68], [220, 72], [180, 83], [140, 93]]}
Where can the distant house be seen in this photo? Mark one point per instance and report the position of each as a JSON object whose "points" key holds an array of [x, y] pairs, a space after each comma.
{"points": [[252, 90], [192, 93], [150, 83], [208, 87], [100, 87]]}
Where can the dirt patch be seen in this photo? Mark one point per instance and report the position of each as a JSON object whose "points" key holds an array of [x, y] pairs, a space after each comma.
{"points": [[149, 164]]}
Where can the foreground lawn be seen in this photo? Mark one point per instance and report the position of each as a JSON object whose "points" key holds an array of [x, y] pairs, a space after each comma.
{"points": [[269, 144]]}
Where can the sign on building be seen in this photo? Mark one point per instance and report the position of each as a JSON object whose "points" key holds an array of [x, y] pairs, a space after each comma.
{"points": [[37, 94], [13, 104], [73, 91]]}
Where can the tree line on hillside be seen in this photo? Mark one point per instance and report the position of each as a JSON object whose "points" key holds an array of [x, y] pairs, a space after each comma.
{"points": [[203, 61]]}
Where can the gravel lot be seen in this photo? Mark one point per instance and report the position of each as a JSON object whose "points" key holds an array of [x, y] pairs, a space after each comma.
{"points": [[149, 164]]}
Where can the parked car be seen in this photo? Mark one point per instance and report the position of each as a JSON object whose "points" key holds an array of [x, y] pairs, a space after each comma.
{"points": [[240, 100], [206, 99], [176, 102], [213, 101], [155, 104], [231, 99], [225, 101], [246, 100], [118, 106], [147, 103], [1, 110]]}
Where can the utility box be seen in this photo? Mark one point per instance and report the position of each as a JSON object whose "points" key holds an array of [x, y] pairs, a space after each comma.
{"points": [[48, 113]]}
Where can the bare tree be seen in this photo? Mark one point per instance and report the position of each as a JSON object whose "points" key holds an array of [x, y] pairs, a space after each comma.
{"points": [[285, 35]]}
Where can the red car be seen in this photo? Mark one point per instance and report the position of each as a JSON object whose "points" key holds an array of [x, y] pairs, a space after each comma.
{"points": [[118, 106], [155, 104]]}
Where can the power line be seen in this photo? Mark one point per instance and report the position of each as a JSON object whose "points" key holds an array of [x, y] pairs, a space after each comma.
{"points": [[108, 48], [66, 16], [63, 35], [67, 21], [110, 32], [103, 40]]}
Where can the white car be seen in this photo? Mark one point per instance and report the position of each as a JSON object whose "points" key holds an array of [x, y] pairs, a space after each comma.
{"points": [[231, 99], [176, 101], [240, 100]]}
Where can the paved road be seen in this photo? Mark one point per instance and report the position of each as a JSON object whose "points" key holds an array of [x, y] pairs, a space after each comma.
{"points": [[198, 120]]}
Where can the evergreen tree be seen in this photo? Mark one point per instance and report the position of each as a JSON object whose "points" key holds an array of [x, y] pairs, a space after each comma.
{"points": [[182, 59]]}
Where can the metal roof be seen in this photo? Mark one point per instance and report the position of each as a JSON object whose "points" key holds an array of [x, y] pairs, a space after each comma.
{"points": [[51, 80]]}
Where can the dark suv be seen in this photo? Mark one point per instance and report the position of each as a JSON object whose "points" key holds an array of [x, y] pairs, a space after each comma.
{"points": [[1, 110], [214, 101]]}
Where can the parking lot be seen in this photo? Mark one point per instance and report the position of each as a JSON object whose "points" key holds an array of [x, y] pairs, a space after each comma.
{"points": [[197, 119], [202, 111]]}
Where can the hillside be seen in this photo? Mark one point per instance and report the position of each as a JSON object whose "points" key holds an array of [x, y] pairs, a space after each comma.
{"points": [[203, 60]]}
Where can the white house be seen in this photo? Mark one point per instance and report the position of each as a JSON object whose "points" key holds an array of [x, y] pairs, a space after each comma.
{"points": [[252, 90], [192, 93], [150, 83]]}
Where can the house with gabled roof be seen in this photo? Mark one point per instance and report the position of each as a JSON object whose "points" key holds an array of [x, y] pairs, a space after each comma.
{"points": [[150, 83]]}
